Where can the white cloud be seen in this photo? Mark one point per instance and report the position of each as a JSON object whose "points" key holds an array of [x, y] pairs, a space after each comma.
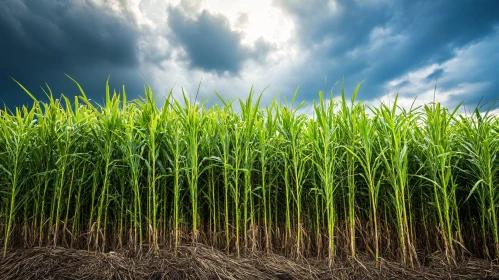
{"points": [[263, 21]]}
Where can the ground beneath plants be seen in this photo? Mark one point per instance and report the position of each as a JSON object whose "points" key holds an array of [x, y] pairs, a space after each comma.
{"points": [[202, 262]]}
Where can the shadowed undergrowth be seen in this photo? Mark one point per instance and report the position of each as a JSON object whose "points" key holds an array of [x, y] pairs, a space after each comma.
{"points": [[203, 262]]}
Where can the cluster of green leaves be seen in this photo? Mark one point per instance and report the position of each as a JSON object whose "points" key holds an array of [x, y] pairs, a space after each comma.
{"points": [[347, 179]]}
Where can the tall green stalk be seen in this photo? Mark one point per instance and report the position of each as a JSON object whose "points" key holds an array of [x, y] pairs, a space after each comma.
{"points": [[326, 151]]}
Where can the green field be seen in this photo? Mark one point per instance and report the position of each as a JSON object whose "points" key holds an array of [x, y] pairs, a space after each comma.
{"points": [[383, 182]]}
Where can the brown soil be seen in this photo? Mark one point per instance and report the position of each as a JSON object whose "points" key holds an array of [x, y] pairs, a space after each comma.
{"points": [[203, 262]]}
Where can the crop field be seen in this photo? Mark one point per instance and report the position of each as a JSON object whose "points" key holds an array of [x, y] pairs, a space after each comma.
{"points": [[349, 181]]}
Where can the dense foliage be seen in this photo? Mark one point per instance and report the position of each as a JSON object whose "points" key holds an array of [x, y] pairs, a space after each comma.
{"points": [[349, 179]]}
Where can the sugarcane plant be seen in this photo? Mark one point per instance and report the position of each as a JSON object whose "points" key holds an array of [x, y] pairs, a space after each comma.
{"points": [[336, 179]]}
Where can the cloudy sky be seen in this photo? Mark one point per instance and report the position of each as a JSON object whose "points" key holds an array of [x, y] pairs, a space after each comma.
{"points": [[395, 47]]}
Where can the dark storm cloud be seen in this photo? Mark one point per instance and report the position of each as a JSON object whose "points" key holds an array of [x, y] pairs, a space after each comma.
{"points": [[479, 66], [435, 75], [402, 84], [413, 34], [43, 39], [211, 44]]}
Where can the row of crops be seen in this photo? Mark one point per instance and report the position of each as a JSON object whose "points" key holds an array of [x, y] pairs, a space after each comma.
{"points": [[382, 182]]}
